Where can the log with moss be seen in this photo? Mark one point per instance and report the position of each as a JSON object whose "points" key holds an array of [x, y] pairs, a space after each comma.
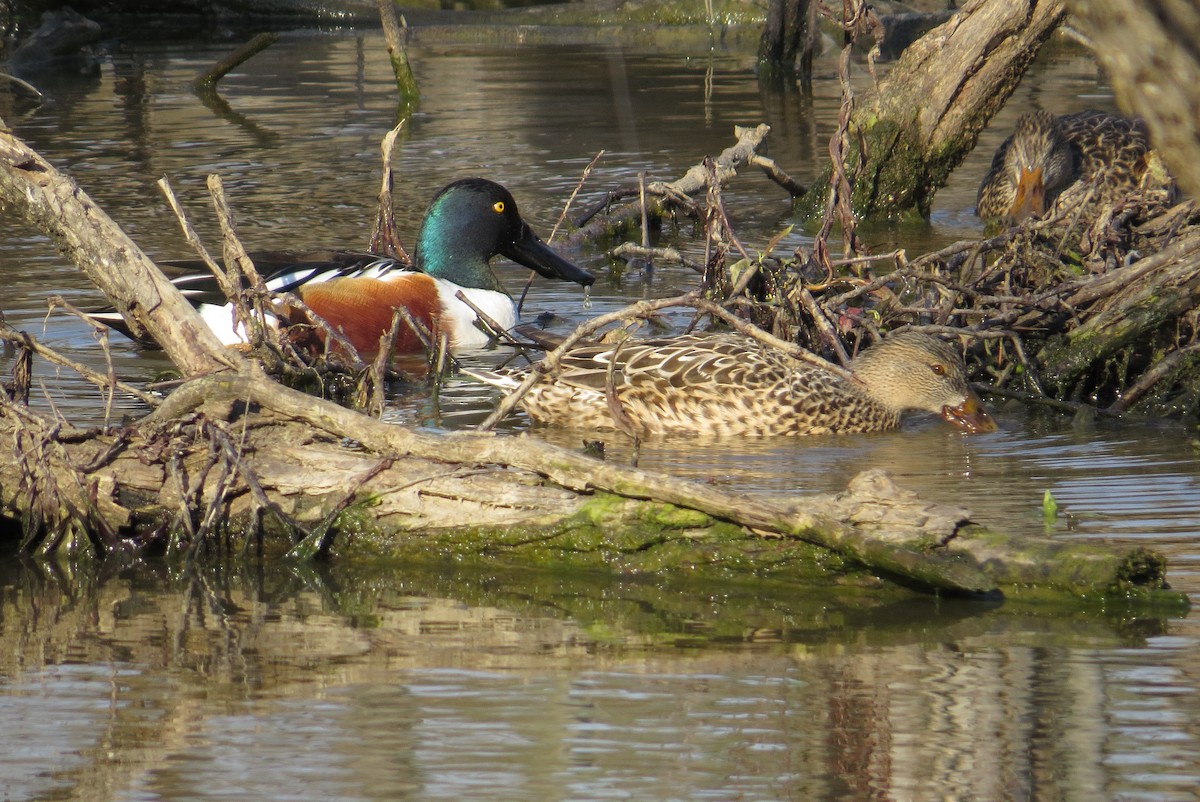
{"points": [[232, 459], [240, 459]]}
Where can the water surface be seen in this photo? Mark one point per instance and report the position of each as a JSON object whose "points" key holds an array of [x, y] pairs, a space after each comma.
{"points": [[390, 682]]}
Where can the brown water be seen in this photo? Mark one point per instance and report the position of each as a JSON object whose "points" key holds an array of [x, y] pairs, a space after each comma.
{"points": [[387, 682]]}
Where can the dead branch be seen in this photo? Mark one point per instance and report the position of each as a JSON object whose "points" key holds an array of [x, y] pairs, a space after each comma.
{"points": [[105, 383], [384, 237], [114, 263], [678, 193]]}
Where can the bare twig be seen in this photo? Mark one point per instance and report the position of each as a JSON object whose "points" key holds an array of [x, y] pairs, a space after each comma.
{"points": [[243, 271], [384, 238], [105, 382], [583, 177], [492, 326]]}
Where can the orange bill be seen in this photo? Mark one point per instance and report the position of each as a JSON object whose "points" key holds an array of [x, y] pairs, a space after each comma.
{"points": [[1030, 199], [970, 416]]}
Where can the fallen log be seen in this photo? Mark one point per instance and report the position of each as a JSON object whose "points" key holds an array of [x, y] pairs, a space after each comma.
{"points": [[422, 496]]}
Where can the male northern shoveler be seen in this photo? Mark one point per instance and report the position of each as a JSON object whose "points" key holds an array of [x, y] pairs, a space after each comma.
{"points": [[727, 384], [467, 223], [1049, 160]]}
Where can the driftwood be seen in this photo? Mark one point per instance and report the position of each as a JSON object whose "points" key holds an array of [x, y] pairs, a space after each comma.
{"points": [[661, 197], [413, 494], [232, 452]]}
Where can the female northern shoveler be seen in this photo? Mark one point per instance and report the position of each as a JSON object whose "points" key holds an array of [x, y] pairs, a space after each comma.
{"points": [[1049, 160], [727, 384], [468, 222]]}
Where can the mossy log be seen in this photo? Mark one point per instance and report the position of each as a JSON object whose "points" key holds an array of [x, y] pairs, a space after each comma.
{"points": [[925, 116], [430, 496]]}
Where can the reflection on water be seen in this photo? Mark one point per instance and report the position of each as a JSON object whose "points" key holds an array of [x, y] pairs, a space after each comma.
{"points": [[373, 684], [399, 684]]}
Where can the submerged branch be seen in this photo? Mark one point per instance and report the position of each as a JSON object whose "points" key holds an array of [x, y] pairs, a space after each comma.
{"points": [[206, 82]]}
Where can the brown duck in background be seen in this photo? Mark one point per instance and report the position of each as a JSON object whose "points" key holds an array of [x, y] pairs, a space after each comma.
{"points": [[1052, 160], [727, 384]]}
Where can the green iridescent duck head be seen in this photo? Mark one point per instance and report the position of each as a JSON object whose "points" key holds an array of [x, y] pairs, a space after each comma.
{"points": [[472, 220]]}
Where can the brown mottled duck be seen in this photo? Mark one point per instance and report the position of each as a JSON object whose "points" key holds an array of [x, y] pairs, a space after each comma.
{"points": [[727, 384], [1062, 161]]}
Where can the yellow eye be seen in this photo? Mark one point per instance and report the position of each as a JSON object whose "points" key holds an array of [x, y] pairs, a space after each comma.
{"points": [[498, 207]]}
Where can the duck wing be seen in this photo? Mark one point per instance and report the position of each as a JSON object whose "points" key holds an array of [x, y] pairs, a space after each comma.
{"points": [[678, 364], [1112, 149], [282, 271]]}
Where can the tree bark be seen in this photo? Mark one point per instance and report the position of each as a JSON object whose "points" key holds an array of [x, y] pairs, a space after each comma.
{"points": [[1149, 50], [926, 114]]}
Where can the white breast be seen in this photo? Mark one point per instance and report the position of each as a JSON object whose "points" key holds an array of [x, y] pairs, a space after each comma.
{"points": [[220, 320], [458, 319]]}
